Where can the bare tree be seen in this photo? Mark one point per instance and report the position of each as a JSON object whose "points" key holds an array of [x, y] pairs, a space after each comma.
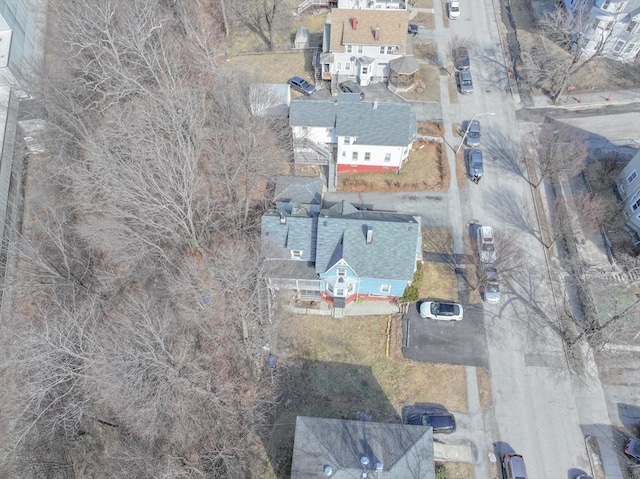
{"points": [[559, 150], [265, 18], [570, 32]]}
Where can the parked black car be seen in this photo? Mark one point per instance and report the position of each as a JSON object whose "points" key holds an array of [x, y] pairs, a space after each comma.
{"points": [[441, 422], [302, 85], [461, 58]]}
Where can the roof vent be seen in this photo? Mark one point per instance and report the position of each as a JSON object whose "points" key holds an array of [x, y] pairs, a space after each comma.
{"points": [[328, 470], [369, 234], [283, 219], [364, 460], [379, 466]]}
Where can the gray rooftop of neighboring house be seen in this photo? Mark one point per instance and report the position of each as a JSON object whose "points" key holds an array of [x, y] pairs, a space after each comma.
{"points": [[282, 233], [404, 65], [342, 233], [299, 190], [288, 269], [372, 123], [398, 450]]}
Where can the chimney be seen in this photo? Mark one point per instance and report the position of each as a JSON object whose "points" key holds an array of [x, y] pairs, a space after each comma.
{"points": [[354, 23], [376, 34], [369, 234]]}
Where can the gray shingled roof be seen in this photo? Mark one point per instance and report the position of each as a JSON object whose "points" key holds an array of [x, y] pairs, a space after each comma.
{"points": [[391, 254], [403, 451], [299, 190], [297, 232], [388, 123]]}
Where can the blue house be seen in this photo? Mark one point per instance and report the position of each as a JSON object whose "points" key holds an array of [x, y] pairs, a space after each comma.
{"points": [[340, 254]]}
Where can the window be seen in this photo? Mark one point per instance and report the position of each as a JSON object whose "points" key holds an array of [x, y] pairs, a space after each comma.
{"points": [[367, 156], [340, 292], [364, 70], [632, 26], [605, 4], [387, 157], [341, 272], [360, 48], [382, 50], [349, 48], [330, 288], [296, 254], [618, 46], [339, 66], [631, 47], [347, 140], [632, 176], [354, 156], [385, 288], [389, 50], [635, 205], [347, 66]]}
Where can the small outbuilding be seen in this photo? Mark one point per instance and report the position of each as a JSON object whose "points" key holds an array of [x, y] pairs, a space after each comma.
{"points": [[403, 73], [302, 38]]}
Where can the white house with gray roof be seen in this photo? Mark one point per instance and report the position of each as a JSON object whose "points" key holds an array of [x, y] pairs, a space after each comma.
{"points": [[628, 184], [340, 254], [357, 136]]}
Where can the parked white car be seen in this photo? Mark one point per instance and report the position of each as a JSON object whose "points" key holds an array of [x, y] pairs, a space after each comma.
{"points": [[487, 245], [453, 8], [441, 310]]}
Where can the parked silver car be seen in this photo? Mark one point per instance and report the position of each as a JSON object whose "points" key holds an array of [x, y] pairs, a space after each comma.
{"points": [[473, 132], [514, 467], [491, 285], [487, 245], [464, 80]]}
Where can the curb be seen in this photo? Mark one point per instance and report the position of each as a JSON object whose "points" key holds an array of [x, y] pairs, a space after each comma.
{"points": [[593, 451]]}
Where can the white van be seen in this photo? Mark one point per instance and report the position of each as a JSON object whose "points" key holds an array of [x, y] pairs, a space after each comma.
{"points": [[454, 9]]}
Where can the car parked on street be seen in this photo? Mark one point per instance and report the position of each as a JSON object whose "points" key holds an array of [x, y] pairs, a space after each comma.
{"points": [[302, 85], [476, 165], [461, 58], [441, 310], [351, 87], [487, 245], [464, 81], [472, 130], [632, 449], [453, 8], [441, 422], [514, 468], [491, 285]]}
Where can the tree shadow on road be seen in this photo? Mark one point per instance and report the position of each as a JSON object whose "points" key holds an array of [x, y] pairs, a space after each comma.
{"points": [[504, 153], [510, 207]]}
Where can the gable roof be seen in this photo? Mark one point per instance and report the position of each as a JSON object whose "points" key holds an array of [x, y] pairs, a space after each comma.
{"points": [[391, 24], [384, 123], [342, 234], [402, 451]]}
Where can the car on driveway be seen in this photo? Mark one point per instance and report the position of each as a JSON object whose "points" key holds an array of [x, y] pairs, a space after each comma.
{"points": [[441, 422], [441, 310], [632, 449], [461, 58], [490, 285], [302, 85], [351, 87], [413, 29], [464, 81], [476, 165], [514, 468], [487, 245], [473, 132], [453, 8]]}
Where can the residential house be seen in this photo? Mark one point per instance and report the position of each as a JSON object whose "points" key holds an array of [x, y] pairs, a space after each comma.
{"points": [[358, 45], [628, 184], [358, 136], [299, 193], [616, 23], [343, 449], [356, 4], [340, 254]]}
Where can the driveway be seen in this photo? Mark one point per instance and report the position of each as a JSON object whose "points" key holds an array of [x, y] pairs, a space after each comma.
{"points": [[453, 342]]}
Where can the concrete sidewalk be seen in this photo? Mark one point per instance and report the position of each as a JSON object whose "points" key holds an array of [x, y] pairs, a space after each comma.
{"points": [[589, 99]]}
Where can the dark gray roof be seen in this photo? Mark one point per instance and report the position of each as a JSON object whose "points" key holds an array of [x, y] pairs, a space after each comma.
{"points": [[404, 65], [390, 255], [299, 190], [379, 123], [296, 233], [403, 451], [288, 269]]}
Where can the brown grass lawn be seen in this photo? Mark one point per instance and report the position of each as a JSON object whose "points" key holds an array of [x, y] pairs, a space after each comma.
{"points": [[427, 86], [461, 169], [453, 89], [336, 367], [484, 388], [422, 4], [426, 169], [459, 470], [439, 276], [425, 20], [276, 67]]}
